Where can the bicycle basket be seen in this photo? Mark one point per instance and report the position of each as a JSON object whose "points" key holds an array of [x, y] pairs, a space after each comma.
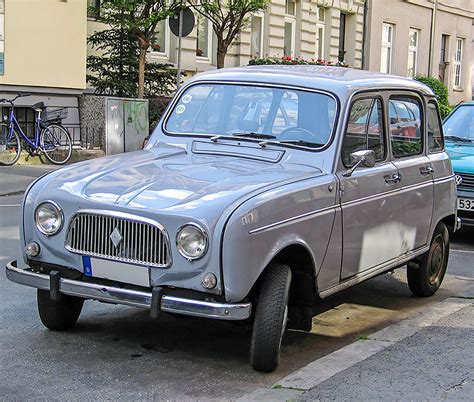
{"points": [[55, 115]]}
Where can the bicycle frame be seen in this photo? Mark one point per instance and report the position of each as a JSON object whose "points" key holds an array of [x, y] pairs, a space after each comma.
{"points": [[14, 124]]}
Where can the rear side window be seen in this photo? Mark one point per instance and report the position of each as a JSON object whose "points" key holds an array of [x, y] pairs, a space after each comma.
{"points": [[435, 135], [406, 135], [364, 130]]}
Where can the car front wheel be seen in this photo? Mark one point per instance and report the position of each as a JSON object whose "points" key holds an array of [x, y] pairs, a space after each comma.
{"points": [[425, 274], [271, 317], [58, 315]]}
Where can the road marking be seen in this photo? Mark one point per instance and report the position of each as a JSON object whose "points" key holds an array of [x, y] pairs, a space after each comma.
{"points": [[462, 251]]}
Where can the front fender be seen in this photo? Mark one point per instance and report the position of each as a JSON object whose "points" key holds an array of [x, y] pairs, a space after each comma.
{"points": [[300, 213]]}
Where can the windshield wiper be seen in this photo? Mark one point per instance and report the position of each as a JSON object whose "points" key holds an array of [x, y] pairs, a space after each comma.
{"points": [[456, 138], [291, 142], [255, 135]]}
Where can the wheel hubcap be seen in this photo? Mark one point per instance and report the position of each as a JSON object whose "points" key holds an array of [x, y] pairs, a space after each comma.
{"points": [[438, 250]]}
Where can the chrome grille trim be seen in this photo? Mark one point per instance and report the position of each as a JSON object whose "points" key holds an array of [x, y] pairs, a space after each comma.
{"points": [[144, 241], [467, 181]]}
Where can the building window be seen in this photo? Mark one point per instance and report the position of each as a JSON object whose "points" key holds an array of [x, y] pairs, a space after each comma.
{"points": [[320, 33], [203, 40], [443, 62], [93, 8], [256, 36], [387, 46], [413, 37], [290, 7], [160, 42], [458, 63]]}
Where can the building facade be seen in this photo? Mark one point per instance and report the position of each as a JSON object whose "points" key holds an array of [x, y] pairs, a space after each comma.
{"points": [[427, 37], [311, 29], [42, 52]]}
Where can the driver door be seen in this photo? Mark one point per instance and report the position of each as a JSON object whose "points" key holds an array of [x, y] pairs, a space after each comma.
{"points": [[371, 198]]}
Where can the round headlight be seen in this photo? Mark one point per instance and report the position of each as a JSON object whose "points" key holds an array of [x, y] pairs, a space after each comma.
{"points": [[49, 218], [191, 241]]}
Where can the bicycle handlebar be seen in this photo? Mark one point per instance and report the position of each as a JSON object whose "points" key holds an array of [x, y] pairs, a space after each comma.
{"points": [[10, 101]]}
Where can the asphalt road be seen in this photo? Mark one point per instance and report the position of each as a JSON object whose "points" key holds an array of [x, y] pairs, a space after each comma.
{"points": [[118, 352]]}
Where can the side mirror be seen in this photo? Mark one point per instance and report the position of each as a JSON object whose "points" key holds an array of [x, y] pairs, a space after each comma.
{"points": [[365, 158]]}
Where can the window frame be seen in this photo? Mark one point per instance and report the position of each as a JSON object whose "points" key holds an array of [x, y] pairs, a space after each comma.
{"points": [[374, 97], [166, 54], [413, 51], [388, 46], [320, 40], [428, 150], [397, 96], [260, 15], [290, 20], [209, 41], [458, 53]]}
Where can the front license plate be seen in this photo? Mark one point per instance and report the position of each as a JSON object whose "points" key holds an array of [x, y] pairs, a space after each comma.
{"points": [[116, 271], [465, 204]]}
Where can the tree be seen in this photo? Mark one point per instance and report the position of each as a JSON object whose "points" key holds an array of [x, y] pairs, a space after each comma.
{"points": [[114, 71], [227, 19], [136, 19], [440, 90]]}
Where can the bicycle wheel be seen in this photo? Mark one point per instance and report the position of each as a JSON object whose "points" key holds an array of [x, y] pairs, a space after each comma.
{"points": [[10, 147], [56, 144]]}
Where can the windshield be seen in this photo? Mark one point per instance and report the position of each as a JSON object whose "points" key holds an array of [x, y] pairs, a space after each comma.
{"points": [[460, 124], [272, 114]]}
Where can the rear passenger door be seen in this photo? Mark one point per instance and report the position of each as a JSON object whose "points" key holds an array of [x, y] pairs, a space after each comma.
{"points": [[413, 165]]}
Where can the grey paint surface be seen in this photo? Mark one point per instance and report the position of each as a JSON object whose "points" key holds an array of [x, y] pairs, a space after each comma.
{"points": [[256, 201]]}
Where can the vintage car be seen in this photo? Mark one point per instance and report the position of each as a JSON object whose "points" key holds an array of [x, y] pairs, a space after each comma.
{"points": [[262, 191], [459, 133]]}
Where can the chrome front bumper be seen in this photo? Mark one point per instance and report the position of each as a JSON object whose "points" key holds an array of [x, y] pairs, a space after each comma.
{"points": [[130, 297]]}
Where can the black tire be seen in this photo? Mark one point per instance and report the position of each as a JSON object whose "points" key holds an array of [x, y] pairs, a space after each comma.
{"points": [[12, 145], [56, 144], [271, 317], [425, 274], [60, 315]]}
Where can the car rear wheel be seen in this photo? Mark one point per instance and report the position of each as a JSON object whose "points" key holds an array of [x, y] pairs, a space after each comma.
{"points": [[425, 274], [271, 317], [58, 315]]}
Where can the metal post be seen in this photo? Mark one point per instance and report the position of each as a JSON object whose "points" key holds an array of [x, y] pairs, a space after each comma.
{"points": [[180, 31]]}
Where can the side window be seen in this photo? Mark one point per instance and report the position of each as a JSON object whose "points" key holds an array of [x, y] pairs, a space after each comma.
{"points": [[435, 135], [405, 126], [364, 130]]}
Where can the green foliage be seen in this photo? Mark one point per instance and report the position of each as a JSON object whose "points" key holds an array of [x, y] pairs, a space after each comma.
{"points": [[114, 70], [440, 90], [227, 19], [287, 60]]}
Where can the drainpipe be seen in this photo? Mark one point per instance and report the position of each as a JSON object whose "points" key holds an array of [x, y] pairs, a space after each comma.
{"points": [[432, 37], [364, 35]]}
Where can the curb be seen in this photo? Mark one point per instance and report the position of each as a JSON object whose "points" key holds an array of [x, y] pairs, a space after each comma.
{"points": [[295, 384], [77, 156]]}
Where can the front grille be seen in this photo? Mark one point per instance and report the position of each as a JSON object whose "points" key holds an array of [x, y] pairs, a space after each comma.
{"points": [[467, 181], [125, 238]]}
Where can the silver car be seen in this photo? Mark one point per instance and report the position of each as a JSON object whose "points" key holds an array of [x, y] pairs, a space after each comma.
{"points": [[262, 191]]}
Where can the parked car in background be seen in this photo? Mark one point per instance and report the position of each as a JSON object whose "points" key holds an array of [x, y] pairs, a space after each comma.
{"points": [[459, 135], [262, 191]]}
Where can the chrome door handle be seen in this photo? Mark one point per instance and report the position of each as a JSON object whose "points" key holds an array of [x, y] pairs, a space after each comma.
{"points": [[426, 170], [392, 178]]}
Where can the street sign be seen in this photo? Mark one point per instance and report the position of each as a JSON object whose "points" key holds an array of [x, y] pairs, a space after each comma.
{"points": [[188, 22]]}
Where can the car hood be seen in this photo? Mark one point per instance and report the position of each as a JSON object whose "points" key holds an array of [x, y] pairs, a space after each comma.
{"points": [[462, 156], [170, 178]]}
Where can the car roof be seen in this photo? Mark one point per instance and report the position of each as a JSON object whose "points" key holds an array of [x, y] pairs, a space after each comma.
{"points": [[340, 80]]}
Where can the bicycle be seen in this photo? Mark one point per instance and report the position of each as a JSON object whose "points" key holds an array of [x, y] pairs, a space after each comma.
{"points": [[52, 140]]}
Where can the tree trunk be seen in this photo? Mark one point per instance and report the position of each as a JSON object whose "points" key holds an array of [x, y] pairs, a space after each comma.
{"points": [[141, 71], [221, 53]]}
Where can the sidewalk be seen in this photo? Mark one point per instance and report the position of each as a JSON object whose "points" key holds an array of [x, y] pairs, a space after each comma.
{"points": [[426, 357]]}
